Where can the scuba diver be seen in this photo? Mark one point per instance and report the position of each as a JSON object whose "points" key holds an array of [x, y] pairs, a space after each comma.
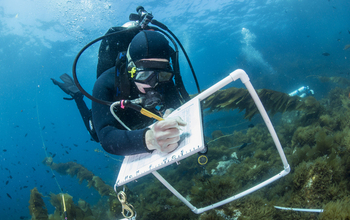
{"points": [[137, 68], [302, 92]]}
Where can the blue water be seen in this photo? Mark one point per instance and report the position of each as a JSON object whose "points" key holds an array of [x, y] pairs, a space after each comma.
{"points": [[278, 43]]}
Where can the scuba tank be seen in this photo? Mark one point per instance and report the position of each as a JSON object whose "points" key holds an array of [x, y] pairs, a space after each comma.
{"points": [[302, 92]]}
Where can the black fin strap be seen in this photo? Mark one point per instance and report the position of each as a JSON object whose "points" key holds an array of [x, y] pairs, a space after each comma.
{"points": [[68, 98]]}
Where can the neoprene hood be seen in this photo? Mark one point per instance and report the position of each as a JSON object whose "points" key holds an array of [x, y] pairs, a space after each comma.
{"points": [[149, 44]]}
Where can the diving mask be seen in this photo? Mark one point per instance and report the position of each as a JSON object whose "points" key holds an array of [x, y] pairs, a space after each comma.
{"points": [[153, 77], [152, 72]]}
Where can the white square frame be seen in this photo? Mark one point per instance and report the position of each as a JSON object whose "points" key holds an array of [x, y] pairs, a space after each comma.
{"points": [[237, 74]]}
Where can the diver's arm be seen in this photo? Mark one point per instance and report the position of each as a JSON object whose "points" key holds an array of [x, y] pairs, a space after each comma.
{"points": [[114, 140]]}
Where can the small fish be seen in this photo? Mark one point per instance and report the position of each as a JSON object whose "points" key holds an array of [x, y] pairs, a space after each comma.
{"points": [[338, 40], [334, 7], [52, 123], [22, 217], [251, 126], [8, 195], [339, 32], [25, 187], [346, 47], [53, 176], [75, 145], [349, 31], [67, 152], [43, 128], [325, 54], [26, 135], [4, 150], [7, 182], [33, 168], [47, 171], [53, 155], [242, 146], [17, 126], [10, 177]]}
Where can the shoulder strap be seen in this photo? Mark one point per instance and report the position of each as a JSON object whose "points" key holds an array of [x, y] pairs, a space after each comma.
{"points": [[121, 79]]}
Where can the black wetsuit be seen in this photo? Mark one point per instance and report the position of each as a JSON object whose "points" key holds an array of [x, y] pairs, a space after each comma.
{"points": [[112, 135]]}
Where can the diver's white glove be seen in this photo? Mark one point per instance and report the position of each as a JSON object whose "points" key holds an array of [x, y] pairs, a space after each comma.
{"points": [[168, 112], [164, 135]]}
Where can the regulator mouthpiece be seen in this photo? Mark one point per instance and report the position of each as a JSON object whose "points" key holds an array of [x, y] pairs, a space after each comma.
{"points": [[151, 99]]}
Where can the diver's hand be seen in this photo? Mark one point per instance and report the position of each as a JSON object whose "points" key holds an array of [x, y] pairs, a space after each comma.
{"points": [[164, 135]]}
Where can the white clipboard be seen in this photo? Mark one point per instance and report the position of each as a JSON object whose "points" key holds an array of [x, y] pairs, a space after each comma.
{"points": [[191, 142]]}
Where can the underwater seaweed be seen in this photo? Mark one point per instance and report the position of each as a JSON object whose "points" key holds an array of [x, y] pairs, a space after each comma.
{"points": [[335, 79], [316, 141], [337, 210], [274, 102], [37, 208], [75, 169]]}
